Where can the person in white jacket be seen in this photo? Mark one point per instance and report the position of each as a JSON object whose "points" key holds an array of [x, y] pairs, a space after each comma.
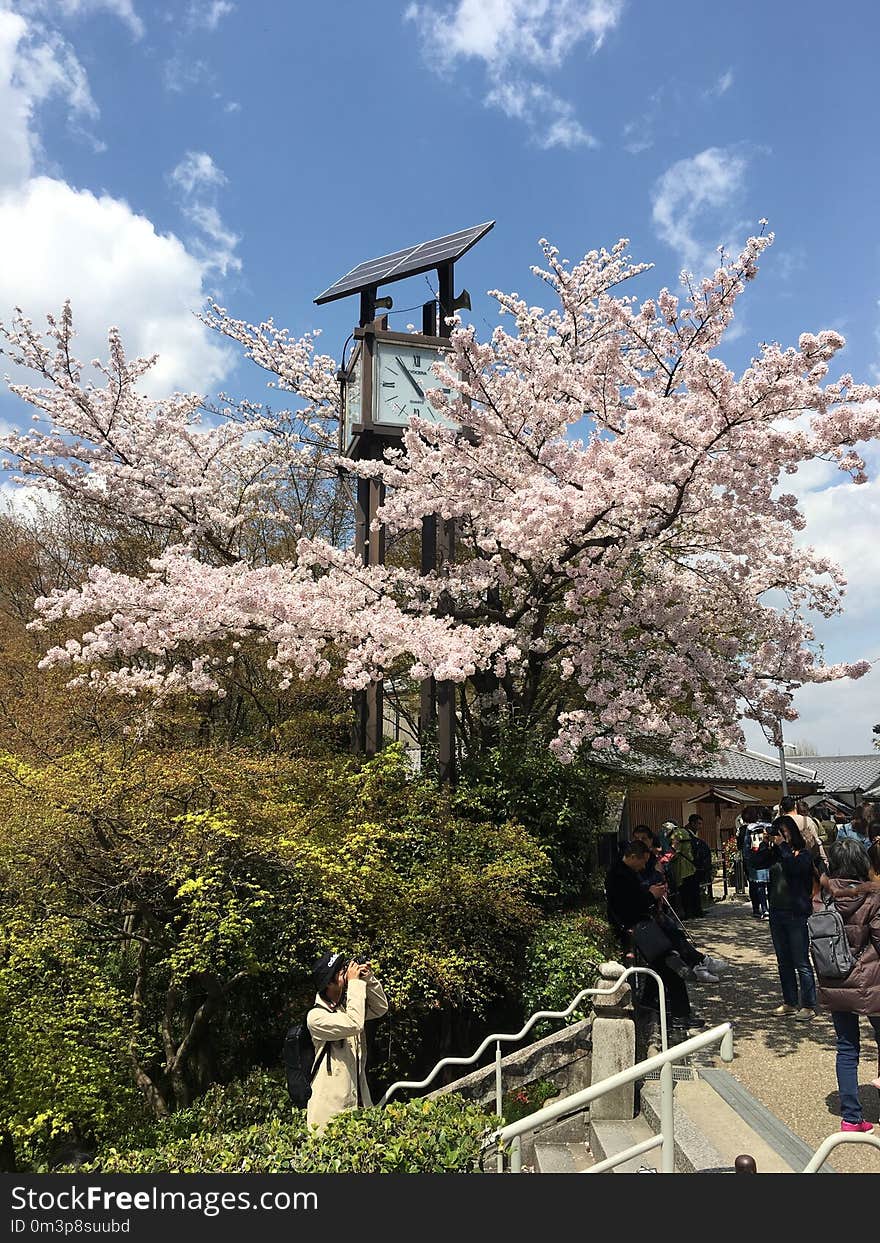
{"points": [[347, 998]]}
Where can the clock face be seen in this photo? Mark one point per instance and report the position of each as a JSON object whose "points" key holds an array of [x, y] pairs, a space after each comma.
{"points": [[404, 375]]}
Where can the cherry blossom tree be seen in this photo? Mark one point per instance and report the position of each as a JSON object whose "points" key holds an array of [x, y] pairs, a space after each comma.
{"points": [[627, 563]]}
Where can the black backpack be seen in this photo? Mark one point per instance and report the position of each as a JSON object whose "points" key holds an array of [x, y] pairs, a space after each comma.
{"points": [[829, 945], [300, 1062]]}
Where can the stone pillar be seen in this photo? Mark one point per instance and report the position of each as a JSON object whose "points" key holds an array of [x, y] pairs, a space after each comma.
{"points": [[614, 1046]]}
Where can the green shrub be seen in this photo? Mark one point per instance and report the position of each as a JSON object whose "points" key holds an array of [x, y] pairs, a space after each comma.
{"points": [[418, 1137], [562, 806], [562, 958], [225, 1108], [64, 1081], [528, 1099], [264, 1149], [196, 886]]}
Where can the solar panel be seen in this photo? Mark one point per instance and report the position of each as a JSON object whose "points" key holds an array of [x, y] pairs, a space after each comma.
{"points": [[408, 262]]}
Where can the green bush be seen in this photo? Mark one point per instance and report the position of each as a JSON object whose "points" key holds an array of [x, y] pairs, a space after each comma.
{"points": [[418, 1137], [562, 806], [175, 899], [225, 1108], [562, 958], [64, 1078], [528, 1099]]}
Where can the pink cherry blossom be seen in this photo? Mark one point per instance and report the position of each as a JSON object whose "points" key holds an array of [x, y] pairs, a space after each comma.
{"points": [[624, 530]]}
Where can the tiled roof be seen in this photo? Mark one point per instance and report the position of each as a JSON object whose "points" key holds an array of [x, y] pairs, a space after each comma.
{"points": [[728, 767], [845, 773]]}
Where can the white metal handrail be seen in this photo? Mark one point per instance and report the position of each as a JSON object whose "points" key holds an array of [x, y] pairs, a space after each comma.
{"points": [[514, 1131], [497, 1038], [820, 1156]]}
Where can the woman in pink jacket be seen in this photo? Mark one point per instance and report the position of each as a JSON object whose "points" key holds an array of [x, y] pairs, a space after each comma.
{"points": [[857, 899]]}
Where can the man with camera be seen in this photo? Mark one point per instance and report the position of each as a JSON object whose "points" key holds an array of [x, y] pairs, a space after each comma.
{"points": [[347, 997]]}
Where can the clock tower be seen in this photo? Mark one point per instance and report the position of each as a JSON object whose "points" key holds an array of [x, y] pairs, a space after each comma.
{"points": [[383, 386]]}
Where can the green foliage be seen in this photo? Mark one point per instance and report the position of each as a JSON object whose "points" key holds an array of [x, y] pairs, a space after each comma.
{"points": [[258, 1099], [439, 1136], [528, 1099], [267, 1148], [202, 884], [63, 1073], [562, 958], [561, 805], [418, 1137]]}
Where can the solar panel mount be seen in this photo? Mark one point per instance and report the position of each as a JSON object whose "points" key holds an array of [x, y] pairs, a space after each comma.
{"points": [[410, 261]]}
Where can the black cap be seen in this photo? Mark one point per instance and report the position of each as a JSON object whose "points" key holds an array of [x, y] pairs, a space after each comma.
{"points": [[324, 969]]}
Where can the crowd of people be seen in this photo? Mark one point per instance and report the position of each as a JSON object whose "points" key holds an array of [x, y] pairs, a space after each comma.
{"points": [[796, 864]]}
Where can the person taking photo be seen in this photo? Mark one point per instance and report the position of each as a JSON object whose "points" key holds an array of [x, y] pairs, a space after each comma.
{"points": [[347, 997]]}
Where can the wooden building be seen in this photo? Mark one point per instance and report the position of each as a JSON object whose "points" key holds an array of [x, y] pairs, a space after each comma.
{"points": [[666, 789]]}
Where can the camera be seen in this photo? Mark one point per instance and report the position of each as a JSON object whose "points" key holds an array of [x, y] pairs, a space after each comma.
{"points": [[360, 957]]}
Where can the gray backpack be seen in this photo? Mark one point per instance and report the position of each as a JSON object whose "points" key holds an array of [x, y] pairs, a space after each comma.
{"points": [[832, 956]]}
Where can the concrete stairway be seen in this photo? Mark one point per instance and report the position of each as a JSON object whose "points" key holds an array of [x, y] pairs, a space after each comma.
{"points": [[716, 1120]]}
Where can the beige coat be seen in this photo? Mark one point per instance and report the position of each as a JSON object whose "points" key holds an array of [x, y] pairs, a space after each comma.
{"points": [[810, 833], [334, 1088]]}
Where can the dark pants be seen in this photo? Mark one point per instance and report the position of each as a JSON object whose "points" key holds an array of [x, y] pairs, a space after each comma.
{"points": [[758, 895], [686, 950], [689, 892], [847, 1028], [792, 945], [678, 1004]]}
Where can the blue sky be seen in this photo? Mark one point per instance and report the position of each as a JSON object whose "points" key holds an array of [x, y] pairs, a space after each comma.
{"points": [[155, 153]]}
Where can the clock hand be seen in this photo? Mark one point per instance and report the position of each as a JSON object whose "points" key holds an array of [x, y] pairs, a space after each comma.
{"points": [[411, 378]]}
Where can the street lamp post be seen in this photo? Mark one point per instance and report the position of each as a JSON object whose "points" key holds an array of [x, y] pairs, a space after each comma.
{"points": [[783, 773]]}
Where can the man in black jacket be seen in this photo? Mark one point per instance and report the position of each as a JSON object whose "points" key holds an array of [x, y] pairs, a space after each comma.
{"points": [[629, 903]]}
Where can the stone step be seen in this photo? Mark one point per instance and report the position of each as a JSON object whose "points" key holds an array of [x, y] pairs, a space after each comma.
{"points": [[609, 1137], [763, 1122], [561, 1158], [711, 1132]]}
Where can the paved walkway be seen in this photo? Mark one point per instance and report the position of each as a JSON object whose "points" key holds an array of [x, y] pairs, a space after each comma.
{"points": [[786, 1064]]}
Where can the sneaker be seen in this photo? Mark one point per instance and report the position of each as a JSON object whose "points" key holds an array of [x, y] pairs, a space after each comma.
{"points": [[705, 976], [861, 1127], [766, 915], [784, 1009], [805, 1015], [716, 965]]}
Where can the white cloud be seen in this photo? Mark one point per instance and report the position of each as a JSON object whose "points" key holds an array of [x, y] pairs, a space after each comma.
{"points": [[697, 197], [550, 120], [216, 247], [843, 522], [35, 66], [723, 85], [836, 717], [541, 33], [181, 73], [513, 36], [207, 14], [232, 106], [123, 9], [197, 178], [59, 242], [196, 171]]}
